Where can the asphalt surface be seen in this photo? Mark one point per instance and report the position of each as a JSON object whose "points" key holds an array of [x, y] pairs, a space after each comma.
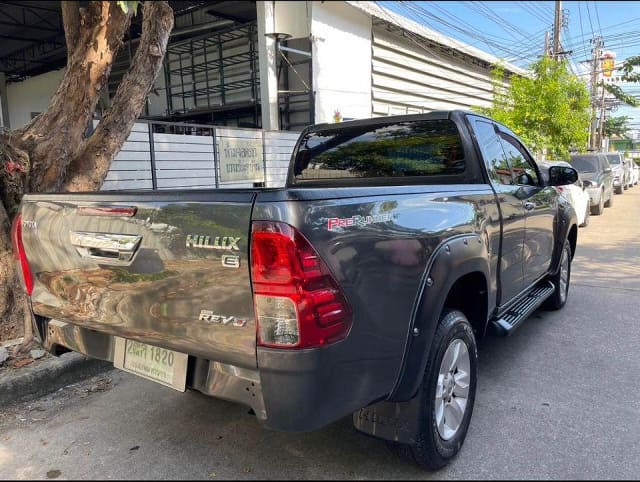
{"points": [[557, 400]]}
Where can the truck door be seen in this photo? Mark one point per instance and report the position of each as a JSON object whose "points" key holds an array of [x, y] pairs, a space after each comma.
{"points": [[539, 204], [511, 207]]}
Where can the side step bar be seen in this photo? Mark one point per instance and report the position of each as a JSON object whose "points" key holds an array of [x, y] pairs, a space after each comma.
{"points": [[519, 312]]}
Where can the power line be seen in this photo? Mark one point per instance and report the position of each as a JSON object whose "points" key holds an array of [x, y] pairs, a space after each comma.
{"points": [[595, 4]]}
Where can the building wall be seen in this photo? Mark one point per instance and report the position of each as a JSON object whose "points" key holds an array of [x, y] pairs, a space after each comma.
{"points": [[341, 46], [293, 18], [31, 95], [412, 77]]}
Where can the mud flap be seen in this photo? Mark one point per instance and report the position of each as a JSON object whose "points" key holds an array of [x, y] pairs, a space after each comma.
{"points": [[395, 421]]}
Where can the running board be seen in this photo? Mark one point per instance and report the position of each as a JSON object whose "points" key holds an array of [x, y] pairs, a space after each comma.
{"points": [[519, 312]]}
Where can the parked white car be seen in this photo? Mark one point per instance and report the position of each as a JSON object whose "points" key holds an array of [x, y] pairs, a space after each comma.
{"points": [[575, 193]]}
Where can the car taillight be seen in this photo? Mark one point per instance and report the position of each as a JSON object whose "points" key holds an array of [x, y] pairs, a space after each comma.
{"points": [[298, 302], [560, 188], [19, 254]]}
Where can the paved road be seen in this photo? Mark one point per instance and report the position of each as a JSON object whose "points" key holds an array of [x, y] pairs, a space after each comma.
{"points": [[558, 399]]}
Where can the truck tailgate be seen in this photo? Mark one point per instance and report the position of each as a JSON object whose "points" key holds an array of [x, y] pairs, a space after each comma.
{"points": [[169, 269]]}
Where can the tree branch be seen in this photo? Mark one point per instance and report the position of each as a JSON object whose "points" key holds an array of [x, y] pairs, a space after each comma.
{"points": [[71, 22], [90, 165], [619, 94]]}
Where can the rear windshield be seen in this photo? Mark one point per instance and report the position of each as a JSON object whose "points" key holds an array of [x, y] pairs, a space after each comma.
{"points": [[613, 158], [585, 163], [405, 149]]}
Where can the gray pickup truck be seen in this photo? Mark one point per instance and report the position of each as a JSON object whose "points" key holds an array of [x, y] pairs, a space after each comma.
{"points": [[359, 288]]}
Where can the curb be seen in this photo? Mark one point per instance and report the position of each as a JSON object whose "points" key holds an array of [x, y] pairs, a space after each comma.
{"points": [[43, 378]]}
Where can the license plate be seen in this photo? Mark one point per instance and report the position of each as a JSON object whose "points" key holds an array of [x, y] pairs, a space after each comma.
{"points": [[160, 365]]}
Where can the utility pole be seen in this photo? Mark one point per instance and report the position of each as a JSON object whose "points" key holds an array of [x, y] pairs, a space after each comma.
{"points": [[595, 67], [602, 120], [557, 23], [546, 44]]}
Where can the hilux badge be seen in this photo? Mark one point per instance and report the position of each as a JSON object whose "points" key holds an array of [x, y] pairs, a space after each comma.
{"points": [[207, 242]]}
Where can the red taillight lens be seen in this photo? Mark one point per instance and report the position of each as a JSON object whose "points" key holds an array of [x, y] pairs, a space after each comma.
{"points": [[297, 300], [19, 254]]}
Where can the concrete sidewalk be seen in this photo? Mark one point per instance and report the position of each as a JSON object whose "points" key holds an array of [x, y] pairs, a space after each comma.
{"points": [[46, 375]]}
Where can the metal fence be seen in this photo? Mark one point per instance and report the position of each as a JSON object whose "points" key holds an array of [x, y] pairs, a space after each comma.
{"points": [[169, 155]]}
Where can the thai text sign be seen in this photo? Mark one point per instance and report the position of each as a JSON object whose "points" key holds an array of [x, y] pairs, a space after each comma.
{"points": [[608, 63], [240, 159]]}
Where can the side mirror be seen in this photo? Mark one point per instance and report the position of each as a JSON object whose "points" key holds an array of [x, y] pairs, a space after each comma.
{"points": [[561, 176], [607, 169]]}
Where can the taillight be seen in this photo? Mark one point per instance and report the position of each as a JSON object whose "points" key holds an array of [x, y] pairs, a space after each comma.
{"points": [[298, 302], [19, 254]]}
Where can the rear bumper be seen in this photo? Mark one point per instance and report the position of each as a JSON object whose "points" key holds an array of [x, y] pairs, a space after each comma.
{"points": [[293, 391], [212, 378]]}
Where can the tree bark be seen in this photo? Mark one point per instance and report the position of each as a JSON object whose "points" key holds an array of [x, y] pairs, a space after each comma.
{"points": [[71, 22]]}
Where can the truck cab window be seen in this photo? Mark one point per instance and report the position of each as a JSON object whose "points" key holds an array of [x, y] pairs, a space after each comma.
{"points": [[524, 171], [425, 148], [492, 152]]}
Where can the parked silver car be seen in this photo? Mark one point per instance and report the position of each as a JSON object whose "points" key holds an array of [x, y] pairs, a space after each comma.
{"points": [[596, 174], [621, 171]]}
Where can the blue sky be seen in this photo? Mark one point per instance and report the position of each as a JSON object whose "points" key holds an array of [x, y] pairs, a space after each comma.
{"points": [[514, 30]]}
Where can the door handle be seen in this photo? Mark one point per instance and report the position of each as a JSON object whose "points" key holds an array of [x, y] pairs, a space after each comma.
{"points": [[528, 206], [108, 248]]}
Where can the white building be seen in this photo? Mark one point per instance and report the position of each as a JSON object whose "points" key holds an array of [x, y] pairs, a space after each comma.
{"points": [[272, 65]]}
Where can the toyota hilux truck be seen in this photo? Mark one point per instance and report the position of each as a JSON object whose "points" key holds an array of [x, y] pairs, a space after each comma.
{"points": [[358, 289]]}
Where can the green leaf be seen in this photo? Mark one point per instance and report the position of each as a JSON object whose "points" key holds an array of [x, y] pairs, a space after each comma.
{"points": [[125, 6]]}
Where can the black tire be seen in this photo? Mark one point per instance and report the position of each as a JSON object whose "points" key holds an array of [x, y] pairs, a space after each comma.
{"points": [[609, 201], [586, 217], [598, 208], [620, 190], [432, 451], [557, 300]]}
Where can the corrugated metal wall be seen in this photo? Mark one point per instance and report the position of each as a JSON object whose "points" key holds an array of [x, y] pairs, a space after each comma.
{"points": [[413, 76]]}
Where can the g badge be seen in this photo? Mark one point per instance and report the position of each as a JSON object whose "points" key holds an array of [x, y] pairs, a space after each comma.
{"points": [[230, 261]]}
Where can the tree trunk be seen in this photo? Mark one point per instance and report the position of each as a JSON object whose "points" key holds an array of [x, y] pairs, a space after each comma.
{"points": [[90, 165], [51, 152], [12, 300], [53, 137]]}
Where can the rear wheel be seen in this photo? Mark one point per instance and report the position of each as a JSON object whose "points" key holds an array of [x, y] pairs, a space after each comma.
{"points": [[561, 280], [448, 393], [585, 223]]}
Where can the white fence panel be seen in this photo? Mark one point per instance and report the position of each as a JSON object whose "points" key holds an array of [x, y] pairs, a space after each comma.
{"points": [[278, 146], [131, 169], [184, 161], [187, 161]]}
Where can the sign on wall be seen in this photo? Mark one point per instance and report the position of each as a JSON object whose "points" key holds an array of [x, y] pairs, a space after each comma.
{"points": [[240, 159], [608, 63]]}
